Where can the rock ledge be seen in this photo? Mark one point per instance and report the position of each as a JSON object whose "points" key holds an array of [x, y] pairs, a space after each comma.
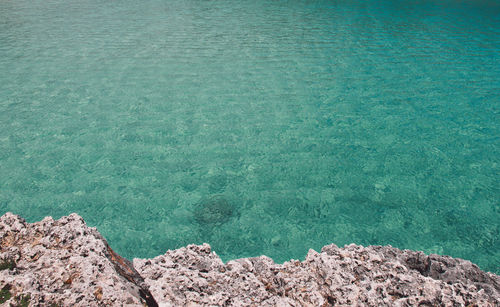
{"points": [[64, 262]]}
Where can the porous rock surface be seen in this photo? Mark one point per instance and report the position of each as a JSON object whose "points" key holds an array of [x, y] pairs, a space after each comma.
{"points": [[66, 263], [349, 276]]}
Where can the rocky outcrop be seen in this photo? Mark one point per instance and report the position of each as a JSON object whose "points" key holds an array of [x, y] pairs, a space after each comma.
{"points": [[353, 275], [64, 262]]}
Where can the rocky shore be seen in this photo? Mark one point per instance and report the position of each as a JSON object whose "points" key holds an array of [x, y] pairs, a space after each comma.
{"points": [[65, 263]]}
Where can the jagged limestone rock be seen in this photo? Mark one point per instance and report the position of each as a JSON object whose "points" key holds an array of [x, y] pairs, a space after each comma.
{"points": [[66, 263], [349, 276]]}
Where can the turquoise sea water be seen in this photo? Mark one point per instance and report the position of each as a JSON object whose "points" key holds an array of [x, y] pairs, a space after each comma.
{"points": [[260, 127]]}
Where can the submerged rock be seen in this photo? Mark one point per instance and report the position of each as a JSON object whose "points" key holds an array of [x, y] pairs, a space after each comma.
{"points": [[213, 211], [65, 263]]}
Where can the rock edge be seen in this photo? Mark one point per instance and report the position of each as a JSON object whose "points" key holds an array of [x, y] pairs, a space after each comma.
{"points": [[64, 262]]}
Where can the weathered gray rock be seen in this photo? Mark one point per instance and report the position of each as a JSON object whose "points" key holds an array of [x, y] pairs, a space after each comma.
{"points": [[353, 275], [64, 262]]}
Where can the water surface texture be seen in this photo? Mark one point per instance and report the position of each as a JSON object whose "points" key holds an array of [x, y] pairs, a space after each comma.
{"points": [[260, 127]]}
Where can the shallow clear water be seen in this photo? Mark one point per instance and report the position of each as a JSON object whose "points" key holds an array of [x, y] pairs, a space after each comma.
{"points": [[261, 127]]}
